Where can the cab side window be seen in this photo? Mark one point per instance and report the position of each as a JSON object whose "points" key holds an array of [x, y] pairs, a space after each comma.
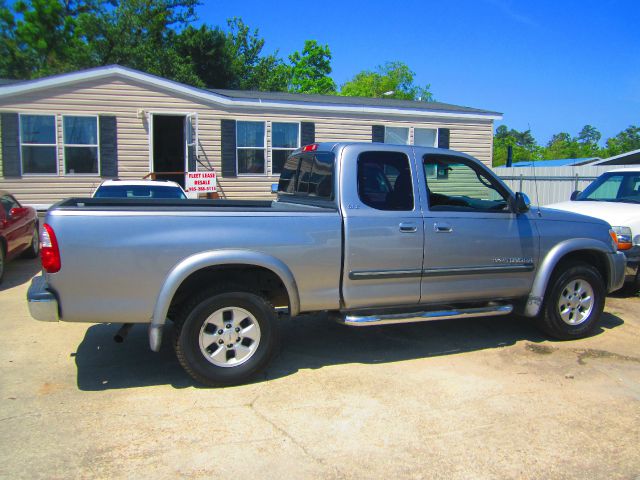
{"points": [[384, 181], [456, 184]]}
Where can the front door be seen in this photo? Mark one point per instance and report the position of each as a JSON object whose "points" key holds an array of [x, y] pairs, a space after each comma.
{"points": [[169, 147], [383, 229], [475, 245]]}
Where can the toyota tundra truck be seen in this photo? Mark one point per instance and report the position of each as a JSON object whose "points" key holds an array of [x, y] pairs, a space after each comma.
{"points": [[372, 234]]}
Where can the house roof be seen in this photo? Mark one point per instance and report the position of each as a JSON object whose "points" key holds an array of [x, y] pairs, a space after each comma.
{"points": [[342, 100], [627, 158], [261, 100]]}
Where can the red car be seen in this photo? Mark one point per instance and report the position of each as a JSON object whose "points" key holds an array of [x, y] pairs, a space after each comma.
{"points": [[19, 233]]}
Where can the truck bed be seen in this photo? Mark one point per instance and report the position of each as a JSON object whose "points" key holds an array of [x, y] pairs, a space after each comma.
{"points": [[204, 205]]}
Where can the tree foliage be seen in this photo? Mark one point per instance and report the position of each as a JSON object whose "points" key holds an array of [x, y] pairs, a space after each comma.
{"points": [[625, 141], [391, 80], [309, 71], [562, 145]]}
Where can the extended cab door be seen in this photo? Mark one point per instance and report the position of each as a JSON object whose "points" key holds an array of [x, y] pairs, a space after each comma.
{"points": [[476, 247], [383, 228]]}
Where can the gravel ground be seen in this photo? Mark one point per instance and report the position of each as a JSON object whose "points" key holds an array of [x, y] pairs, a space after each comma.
{"points": [[481, 398]]}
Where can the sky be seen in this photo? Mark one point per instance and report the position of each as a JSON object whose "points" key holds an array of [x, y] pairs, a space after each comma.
{"points": [[551, 66]]}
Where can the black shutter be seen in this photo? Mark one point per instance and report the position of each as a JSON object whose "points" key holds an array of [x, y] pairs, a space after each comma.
{"points": [[228, 141], [377, 133], [307, 133], [10, 145], [108, 146], [443, 138]]}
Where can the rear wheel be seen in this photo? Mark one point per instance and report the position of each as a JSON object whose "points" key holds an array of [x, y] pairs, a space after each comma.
{"points": [[34, 247], [226, 338], [574, 302]]}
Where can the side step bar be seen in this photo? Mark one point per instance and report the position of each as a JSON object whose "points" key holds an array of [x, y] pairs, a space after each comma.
{"points": [[409, 317]]}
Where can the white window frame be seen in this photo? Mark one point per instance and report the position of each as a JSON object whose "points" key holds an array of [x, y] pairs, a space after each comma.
{"points": [[413, 135], [55, 127], [97, 145], [272, 148], [265, 148], [411, 132]]}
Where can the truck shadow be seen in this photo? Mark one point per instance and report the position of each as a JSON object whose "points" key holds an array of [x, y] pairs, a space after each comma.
{"points": [[308, 342]]}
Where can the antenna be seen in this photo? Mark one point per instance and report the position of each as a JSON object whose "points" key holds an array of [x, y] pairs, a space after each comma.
{"points": [[535, 180]]}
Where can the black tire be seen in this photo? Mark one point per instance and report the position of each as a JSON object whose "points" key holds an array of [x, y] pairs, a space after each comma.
{"points": [[34, 249], [563, 285], [191, 323]]}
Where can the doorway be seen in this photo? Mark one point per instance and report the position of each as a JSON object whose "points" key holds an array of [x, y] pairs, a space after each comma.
{"points": [[169, 147]]}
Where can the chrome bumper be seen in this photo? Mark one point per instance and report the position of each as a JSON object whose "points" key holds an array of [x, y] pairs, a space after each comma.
{"points": [[618, 266], [43, 304]]}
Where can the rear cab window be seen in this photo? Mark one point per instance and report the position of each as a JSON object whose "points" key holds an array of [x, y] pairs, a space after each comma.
{"points": [[308, 175]]}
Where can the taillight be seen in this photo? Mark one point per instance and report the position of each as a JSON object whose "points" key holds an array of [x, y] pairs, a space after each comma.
{"points": [[49, 251], [310, 148]]}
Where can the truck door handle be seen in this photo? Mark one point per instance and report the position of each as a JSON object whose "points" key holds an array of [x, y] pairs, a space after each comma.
{"points": [[408, 227], [442, 228]]}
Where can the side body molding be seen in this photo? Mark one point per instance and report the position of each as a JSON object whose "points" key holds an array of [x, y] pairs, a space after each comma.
{"points": [[198, 261], [543, 275]]}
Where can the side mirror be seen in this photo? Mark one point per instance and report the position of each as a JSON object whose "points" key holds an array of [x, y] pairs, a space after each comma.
{"points": [[274, 188], [521, 203], [575, 194], [18, 212]]}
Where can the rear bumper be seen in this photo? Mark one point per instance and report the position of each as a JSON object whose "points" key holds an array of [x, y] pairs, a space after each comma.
{"points": [[43, 304], [618, 265]]}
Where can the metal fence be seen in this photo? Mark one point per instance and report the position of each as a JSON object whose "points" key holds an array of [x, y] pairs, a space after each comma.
{"points": [[545, 185]]}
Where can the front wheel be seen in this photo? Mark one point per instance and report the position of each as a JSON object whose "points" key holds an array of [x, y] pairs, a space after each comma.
{"points": [[226, 338], [574, 302]]}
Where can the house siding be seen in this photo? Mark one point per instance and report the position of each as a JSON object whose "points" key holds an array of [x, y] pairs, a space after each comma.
{"points": [[124, 98]]}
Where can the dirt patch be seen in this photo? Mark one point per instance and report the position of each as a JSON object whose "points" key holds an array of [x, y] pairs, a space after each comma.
{"points": [[540, 349], [594, 353], [49, 388]]}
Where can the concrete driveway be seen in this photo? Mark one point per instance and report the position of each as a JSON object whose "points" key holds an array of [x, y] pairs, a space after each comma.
{"points": [[482, 398]]}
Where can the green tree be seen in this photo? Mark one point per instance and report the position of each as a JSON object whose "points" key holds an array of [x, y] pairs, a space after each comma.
{"points": [[588, 139], [40, 37], [562, 145], [392, 80], [250, 69], [140, 34], [625, 141], [523, 145], [309, 72]]}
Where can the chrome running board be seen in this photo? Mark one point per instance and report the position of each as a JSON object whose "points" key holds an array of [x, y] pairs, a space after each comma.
{"points": [[409, 317]]}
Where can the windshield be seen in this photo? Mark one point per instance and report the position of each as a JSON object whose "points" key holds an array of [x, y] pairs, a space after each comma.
{"points": [[614, 187], [135, 191]]}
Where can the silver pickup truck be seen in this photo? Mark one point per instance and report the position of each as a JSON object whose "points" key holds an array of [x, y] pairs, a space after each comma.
{"points": [[373, 234]]}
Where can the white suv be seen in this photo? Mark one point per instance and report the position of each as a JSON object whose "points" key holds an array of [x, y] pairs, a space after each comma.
{"points": [[139, 189], [615, 198]]}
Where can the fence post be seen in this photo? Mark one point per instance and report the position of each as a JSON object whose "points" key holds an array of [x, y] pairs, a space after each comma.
{"points": [[577, 178], [520, 189]]}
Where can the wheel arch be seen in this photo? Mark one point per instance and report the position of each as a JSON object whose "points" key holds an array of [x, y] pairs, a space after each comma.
{"points": [[590, 251], [219, 260]]}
